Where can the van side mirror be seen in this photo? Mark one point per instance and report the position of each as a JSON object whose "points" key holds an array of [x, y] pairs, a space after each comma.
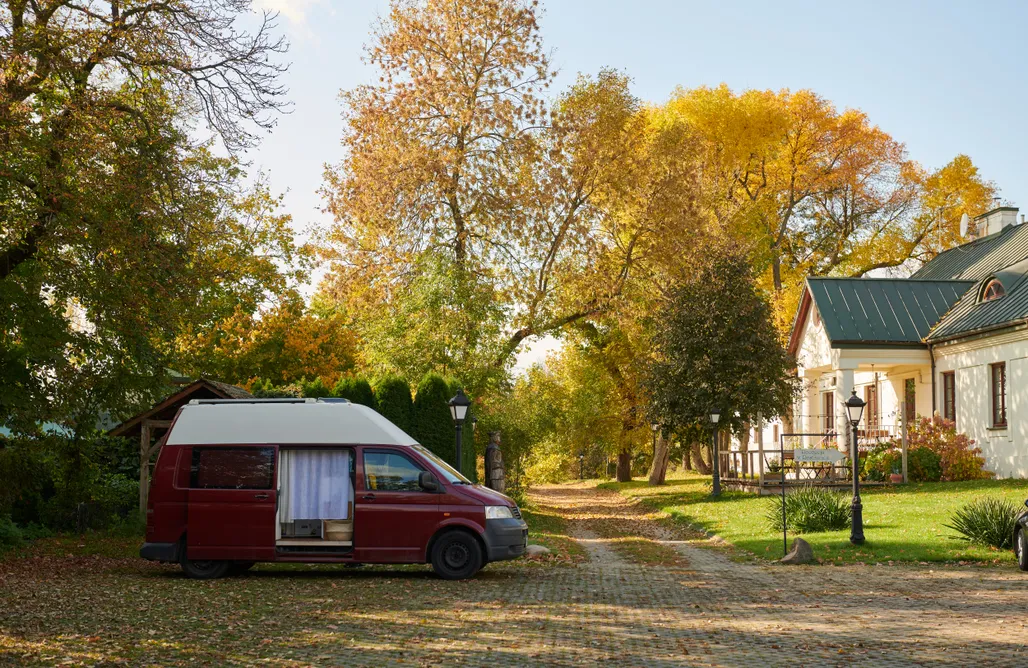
{"points": [[428, 482]]}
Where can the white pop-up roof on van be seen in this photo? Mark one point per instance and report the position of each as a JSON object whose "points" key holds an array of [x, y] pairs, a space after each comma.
{"points": [[310, 422]]}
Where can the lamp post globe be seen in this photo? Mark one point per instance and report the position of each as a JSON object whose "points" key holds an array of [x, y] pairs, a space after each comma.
{"points": [[854, 411], [459, 406], [715, 415]]}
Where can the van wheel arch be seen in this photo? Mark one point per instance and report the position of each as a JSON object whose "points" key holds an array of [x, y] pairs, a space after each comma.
{"points": [[445, 530]]}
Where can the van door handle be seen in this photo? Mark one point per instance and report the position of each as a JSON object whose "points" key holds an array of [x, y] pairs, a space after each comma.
{"points": [[260, 497], [368, 497]]}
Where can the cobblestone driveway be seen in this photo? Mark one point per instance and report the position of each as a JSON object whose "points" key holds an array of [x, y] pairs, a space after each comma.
{"points": [[710, 612], [723, 613]]}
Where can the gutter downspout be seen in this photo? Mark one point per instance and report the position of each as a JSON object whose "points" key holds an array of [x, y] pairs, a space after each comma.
{"points": [[931, 354]]}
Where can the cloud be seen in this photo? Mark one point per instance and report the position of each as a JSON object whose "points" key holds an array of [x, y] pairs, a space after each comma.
{"points": [[295, 11]]}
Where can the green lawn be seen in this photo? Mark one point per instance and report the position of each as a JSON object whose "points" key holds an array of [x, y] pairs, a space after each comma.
{"points": [[547, 528], [902, 523]]}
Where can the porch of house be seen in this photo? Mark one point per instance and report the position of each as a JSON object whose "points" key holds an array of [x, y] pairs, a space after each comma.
{"points": [[895, 383]]}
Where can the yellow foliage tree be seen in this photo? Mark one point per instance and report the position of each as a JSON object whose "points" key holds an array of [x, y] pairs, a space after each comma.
{"points": [[817, 191], [284, 343]]}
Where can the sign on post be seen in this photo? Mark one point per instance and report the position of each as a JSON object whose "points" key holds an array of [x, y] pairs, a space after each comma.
{"points": [[830, 455]]}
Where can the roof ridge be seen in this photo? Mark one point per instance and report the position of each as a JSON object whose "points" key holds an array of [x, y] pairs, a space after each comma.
{"points": [[890, 278]]}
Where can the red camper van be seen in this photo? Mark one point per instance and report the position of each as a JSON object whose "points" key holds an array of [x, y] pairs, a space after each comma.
{"points": [[315, 480]]}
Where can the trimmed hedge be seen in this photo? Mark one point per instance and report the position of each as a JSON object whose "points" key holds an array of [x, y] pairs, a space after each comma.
{"points": [[395, 402], [357, 390]]}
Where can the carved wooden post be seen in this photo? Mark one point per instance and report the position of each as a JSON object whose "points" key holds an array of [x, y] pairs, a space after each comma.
{"points": [[494, 474]]}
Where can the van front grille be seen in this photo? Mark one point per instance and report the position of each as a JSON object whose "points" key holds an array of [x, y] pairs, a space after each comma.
{"points": [[516, 512]]}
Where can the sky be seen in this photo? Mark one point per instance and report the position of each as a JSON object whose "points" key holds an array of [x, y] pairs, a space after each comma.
{"points": [[943, 77]]}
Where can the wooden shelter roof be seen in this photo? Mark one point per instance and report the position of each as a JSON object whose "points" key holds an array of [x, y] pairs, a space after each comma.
{"points": [[165, 409]]}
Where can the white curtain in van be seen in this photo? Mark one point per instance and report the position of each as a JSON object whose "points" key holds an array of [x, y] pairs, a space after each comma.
{"points": [[315, 484]]}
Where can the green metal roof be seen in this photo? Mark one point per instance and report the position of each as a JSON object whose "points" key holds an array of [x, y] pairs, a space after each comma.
{"points": [[980, 258], [882, 311], [970, 315]]}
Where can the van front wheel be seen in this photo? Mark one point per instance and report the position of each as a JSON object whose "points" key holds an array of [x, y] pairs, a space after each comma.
{"points": [[456, 555], [200, 569]]}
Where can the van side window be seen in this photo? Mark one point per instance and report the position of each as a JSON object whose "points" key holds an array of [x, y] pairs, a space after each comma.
{"points": [[390, 472], [232, 468]]}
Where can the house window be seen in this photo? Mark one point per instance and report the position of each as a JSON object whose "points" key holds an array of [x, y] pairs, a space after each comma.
{"points": [[828, 402], [949, 395], [871, 407], [993, 290], [910, 400], [999, 394]]}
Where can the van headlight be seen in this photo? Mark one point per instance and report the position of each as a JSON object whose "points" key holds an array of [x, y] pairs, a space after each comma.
{"points": [[498, 513]]}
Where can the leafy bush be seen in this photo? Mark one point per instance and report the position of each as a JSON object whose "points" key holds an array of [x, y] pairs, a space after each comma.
{"points": [[265, 389], [315, 389], [10, 534], [46, 478], [960, 459], [810, 510], [880, 462], [986, 521], [923, 465]]}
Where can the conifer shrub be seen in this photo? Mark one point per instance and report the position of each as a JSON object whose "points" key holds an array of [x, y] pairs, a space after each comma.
{"points": [[357, 390], [432, 424], [395, 402]]}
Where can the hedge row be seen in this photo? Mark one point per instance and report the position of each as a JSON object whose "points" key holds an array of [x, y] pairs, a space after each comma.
{"points": [[425, 415]]}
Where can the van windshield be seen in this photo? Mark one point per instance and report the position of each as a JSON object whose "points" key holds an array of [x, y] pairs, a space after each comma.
{"points": [[445, 469]]}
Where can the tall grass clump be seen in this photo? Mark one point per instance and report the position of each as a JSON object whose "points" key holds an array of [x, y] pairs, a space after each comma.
{"points": [[809, 510], [986, 521]]}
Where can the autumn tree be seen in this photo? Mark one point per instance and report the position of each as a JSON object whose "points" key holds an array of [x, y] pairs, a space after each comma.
{"points": [[715, 345], [118, 228], [284, 342], [817, 191], [464, 189]]}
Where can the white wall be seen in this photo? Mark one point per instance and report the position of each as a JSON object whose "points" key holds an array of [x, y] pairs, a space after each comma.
{"points": [[1005, 450]]}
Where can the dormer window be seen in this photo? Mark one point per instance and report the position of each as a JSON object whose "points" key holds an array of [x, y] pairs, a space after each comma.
{"points": [[993, 290]]}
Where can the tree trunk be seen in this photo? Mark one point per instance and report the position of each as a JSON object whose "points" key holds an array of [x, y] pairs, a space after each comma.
{"points": [[661, 457], [744, 447], [624, 470], [696, 452]]}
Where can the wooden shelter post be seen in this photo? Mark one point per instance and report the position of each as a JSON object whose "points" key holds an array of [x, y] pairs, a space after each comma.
{"points": [[146, 452]]}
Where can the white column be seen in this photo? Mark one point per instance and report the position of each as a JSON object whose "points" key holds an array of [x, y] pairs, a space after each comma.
{"points": [[809, 406], [843, 390]]}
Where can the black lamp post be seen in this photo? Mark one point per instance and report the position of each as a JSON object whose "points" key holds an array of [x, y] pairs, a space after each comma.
{"points": [[655, 426], [715, 415], [581, 466], [854, 409], [459, 406]]}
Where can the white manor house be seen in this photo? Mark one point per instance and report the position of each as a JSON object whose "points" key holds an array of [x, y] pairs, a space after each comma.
{"points": [[952, 339]]}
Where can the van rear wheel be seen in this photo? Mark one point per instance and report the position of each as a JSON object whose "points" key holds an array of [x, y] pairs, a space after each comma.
{"points": [[201, 569], [456, 555]]}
